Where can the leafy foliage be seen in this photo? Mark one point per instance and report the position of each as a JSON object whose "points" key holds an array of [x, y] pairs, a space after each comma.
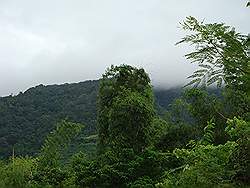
{"points": [[36, 112], [208, 137], [50, 170], [200, 142], [221, 54], [126, 124], [204, 166], [57, 140], [17, 172], [125, 108], [123, 169], [239, 130]]}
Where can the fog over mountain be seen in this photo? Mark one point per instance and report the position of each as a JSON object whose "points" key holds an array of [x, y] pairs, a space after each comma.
{"points": [[60, 41]]}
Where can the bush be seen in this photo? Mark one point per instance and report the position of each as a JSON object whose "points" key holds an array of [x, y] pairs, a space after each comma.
{"points": [[18, 172]]}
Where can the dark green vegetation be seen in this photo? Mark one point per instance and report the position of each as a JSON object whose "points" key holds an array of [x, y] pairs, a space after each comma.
{"points": [[200, 140], [26, 119]]}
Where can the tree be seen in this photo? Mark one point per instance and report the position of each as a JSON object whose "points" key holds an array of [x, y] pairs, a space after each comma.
{"points": [[127, 126], [17, 172], [205, 164], [125, 109], [221, 54], [50, 170], [239, 131], [223, 57], [57, 140]]}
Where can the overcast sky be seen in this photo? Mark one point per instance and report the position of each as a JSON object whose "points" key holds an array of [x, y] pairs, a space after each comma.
{"points": [[58, 41]]}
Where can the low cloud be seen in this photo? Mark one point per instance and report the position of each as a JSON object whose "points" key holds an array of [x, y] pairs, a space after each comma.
{"points": [[70, 41]]}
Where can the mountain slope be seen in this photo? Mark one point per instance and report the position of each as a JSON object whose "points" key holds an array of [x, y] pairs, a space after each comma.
{"points": [[27, 118]]}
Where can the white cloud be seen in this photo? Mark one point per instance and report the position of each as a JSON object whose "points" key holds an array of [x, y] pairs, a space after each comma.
{"points": [[60, 41]]}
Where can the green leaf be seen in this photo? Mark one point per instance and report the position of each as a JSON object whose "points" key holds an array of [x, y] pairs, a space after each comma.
{"points": [[205, 66], [195, 81]]}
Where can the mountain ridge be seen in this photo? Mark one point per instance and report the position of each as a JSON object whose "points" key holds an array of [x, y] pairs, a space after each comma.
{"points": [[26, 118]]}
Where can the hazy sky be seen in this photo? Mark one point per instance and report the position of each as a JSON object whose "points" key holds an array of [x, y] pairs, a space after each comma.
{"points": [[58, 41]]}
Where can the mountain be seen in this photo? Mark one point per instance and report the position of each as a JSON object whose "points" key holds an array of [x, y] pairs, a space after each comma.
{"points": [[27, 118]]}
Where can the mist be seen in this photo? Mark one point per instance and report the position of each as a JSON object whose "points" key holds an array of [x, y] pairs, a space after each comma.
{"points": [[59, 41]]}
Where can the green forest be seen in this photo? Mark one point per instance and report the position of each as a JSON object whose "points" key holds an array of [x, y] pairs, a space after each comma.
{"points": [[118, 132], [29, 117]]}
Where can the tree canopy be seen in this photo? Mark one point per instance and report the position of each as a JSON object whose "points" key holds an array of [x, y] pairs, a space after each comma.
{"points": [[126, 108]]}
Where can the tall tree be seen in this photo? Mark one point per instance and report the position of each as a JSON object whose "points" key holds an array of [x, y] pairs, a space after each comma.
{"points": [[223, 57], [50, 169], [125, 108]]}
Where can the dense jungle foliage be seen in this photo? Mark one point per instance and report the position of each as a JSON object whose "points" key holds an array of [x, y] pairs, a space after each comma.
{"points": [[26, 119], [201, 140]]}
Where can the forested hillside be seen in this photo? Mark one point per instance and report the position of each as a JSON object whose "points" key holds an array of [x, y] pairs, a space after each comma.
{"points": [[27, 118], [120, 132]]}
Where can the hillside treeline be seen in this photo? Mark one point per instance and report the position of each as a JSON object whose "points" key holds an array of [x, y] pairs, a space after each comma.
{"points": [[27, 118], [202, 140]]}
